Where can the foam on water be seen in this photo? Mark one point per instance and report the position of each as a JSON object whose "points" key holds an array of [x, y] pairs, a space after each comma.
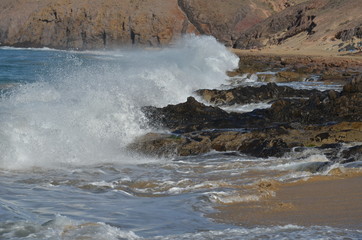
{"points": [[65, 228], [85, 110], [246, 108]]}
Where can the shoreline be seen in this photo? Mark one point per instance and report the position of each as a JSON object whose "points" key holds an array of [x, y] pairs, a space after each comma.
{"points": [[333, 200], [318, 201], [311, 54]]}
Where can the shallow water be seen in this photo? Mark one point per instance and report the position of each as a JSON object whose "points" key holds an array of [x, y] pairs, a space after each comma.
{"points": [[65, 173]]}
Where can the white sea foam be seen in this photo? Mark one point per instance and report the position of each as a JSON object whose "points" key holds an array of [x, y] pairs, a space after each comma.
{"points": [[275, 232], [232, 197], [86, 110], [65, 228], [28, 49], [246, 108]]}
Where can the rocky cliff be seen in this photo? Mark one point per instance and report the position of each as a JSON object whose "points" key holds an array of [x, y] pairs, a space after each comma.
{"points": [[317, 22], [93, 24]]}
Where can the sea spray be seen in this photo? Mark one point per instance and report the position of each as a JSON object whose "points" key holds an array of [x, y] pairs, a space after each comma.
{"points": [[85, 107]]}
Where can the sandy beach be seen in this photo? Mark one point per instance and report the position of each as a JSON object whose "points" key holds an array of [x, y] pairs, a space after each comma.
{"points": [[323, 201]]}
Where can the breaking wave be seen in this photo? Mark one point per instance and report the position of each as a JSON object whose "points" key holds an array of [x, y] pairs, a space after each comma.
{"points": [[85, 108]]}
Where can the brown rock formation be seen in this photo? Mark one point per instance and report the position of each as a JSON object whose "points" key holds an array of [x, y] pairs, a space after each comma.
{"points": [[93, 24], [225, 19], [309, 23]]}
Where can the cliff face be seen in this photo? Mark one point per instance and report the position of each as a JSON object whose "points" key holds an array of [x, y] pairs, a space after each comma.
{"points": [[90, 24], [313, 22], [226, 19]]}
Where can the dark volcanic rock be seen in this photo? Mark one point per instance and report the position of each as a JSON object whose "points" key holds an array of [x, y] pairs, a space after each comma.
{"points": [[293, 68], [322, 107], [355, 86], [264, 148], [314, 167], [244, 95], [168, 145], [352, 154], [194, 116], [265, 132]]}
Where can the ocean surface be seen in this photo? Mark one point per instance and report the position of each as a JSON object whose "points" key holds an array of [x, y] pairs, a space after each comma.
{"points": [[66, 119]]}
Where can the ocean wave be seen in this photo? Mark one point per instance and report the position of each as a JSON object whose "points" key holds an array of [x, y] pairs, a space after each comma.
{"points": [[86, 110]]}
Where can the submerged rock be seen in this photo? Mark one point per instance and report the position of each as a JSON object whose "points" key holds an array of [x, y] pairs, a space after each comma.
{"points": [[158, 144], [314, 167], [352, 154], [168, 145]]}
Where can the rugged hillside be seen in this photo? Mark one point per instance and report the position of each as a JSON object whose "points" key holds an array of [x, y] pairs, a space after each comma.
{"points": [[226, 19], [90, 24], [108, 23], [326, 23]]}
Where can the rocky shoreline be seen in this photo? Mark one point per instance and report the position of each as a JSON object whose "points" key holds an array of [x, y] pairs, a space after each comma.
{"points": [[296, 120]]}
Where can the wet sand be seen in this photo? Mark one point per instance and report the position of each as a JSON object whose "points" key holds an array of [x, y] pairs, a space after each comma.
{"points": [[324, 201]]}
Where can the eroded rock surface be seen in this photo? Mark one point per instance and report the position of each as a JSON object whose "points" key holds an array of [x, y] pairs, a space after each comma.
{"points": [[325, 119], [244, 95], [92, 24], [321, 108], [194, 116], [314, 22]]}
